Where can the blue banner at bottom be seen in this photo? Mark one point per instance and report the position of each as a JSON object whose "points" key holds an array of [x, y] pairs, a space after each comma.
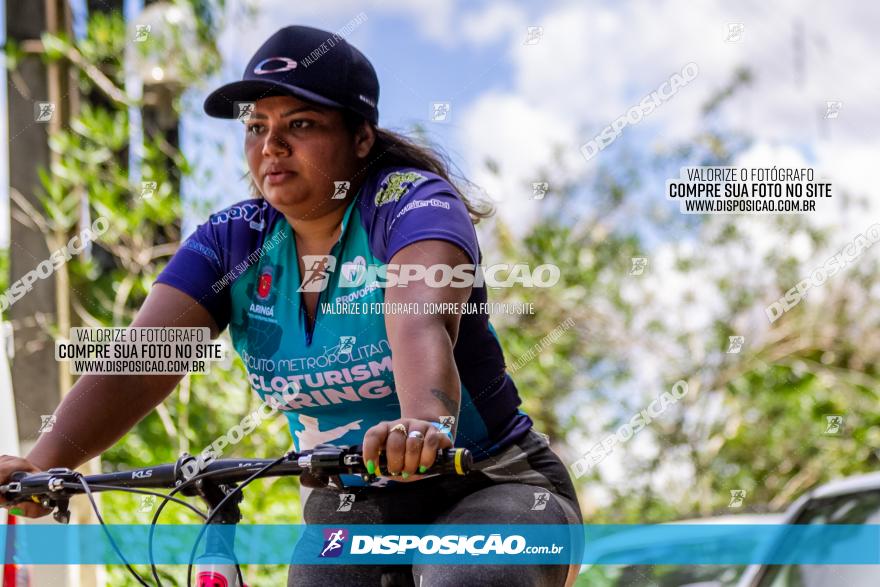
{"points": [[687, 544]]}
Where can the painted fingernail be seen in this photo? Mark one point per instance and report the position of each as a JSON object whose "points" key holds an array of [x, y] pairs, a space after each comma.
{"points": [[371, 467], [405, 474], [16, 512], [422, 468]]}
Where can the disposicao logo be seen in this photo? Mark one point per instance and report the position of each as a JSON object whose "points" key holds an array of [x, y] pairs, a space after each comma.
{"points": [[353, 270], [333, 542]]}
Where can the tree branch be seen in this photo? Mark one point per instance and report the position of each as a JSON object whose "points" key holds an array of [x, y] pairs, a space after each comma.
{"points": [[104, 83]]}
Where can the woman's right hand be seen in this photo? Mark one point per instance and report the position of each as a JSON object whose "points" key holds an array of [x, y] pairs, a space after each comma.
{"points": [[10, 465]]}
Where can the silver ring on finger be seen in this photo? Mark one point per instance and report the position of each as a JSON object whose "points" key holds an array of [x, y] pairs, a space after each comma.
{"points": [[416, 434]]}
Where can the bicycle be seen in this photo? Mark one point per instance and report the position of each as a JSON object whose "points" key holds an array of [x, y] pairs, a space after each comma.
{"points": [[219, 484]]}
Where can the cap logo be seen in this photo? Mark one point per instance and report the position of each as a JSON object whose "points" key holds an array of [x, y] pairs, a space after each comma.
{"points": [[287, 65]]}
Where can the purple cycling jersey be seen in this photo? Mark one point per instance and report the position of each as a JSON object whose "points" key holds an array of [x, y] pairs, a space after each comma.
{"points": [[334, 380]]}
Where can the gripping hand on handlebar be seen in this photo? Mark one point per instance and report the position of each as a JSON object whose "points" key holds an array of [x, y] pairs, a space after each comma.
{"points": [[10, 465], [409, 445]]}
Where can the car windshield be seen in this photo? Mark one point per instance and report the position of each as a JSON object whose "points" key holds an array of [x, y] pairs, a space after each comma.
{"points": [[660, 575], [857, 508]]}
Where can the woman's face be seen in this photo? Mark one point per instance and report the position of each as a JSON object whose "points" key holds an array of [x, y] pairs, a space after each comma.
{"points": [[297, 149]]}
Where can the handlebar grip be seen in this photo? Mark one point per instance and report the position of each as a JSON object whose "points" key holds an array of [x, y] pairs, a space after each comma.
{"points": [[453, 461], [449, 461]]}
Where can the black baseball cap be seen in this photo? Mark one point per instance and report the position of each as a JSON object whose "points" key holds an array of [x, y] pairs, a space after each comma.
{"points": [[315, 65]]}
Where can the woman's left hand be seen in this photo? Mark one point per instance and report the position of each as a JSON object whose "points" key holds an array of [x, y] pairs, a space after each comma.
{"points": [[406, 453]]}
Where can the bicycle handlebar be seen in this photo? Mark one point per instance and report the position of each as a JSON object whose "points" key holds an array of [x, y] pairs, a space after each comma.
{"points": [[324, 462], [215, 482]]}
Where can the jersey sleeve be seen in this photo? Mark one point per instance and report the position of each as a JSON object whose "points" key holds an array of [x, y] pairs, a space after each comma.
{"points": [[428, 209], [197, 269]]}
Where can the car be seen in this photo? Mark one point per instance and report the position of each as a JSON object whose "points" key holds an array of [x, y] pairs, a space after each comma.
{"points": [[853, 500], [13, 575], [632, 545]]}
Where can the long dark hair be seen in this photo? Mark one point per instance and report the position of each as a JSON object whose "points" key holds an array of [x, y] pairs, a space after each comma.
{"points": [[392, 149]]}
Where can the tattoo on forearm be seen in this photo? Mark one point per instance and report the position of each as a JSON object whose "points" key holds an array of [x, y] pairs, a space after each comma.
{"points": [[449, 403]]}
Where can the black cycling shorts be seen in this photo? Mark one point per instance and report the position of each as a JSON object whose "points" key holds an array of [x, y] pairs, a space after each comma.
{"points": [[500, 490]]}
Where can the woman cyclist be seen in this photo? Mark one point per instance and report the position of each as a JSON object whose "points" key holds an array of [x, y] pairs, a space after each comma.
{"points": [[335, 197]]}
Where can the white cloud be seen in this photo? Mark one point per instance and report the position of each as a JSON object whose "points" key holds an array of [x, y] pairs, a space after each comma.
{"points": [[596, 60], [493, 23], [529, 135]]}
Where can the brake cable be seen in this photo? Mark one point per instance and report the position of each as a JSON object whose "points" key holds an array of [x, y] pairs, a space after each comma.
{"points": [[86, 487], [155, 521], [219, 507], [88, 491]]}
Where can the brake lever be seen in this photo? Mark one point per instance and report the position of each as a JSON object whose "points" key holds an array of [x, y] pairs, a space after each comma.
{"points": [[60, 505], [326, 463], [62, 509]]}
